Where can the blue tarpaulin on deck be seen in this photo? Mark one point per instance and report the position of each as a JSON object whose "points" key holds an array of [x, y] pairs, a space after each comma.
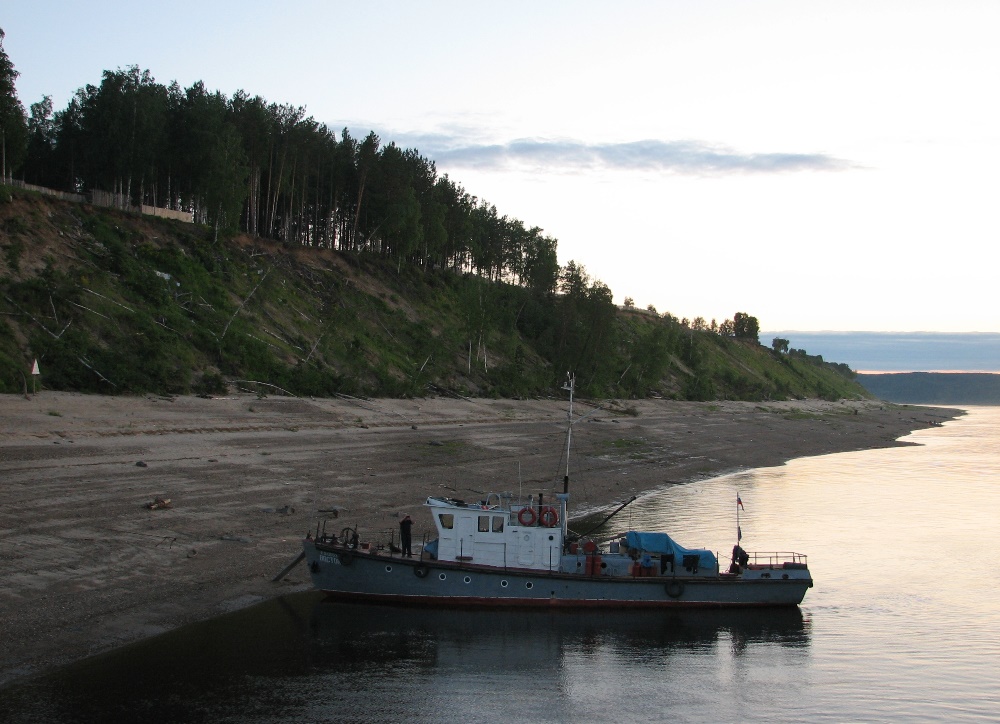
{"points": [[662, 544]]}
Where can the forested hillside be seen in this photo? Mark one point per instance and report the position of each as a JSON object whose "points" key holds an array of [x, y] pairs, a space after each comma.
{"points": [[113, 302], [271, 171], [316, 264]]}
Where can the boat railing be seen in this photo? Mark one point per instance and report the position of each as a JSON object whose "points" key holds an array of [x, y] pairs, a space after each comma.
{"points": [[778, 559], [349, 539], [335, 535]]}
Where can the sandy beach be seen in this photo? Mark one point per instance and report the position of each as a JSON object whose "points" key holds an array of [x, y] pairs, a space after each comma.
{"points": [[86, 564]]}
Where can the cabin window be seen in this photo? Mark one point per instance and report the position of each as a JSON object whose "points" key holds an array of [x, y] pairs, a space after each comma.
{"points": [[497, 524], [484, 524], [447, 520]]}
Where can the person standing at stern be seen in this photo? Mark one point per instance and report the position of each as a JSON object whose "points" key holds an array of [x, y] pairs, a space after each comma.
{"points": [[405, 539]]}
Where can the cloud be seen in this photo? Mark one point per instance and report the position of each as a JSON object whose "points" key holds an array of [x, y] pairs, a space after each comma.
{"points": [[463, 147], [687, 157]]}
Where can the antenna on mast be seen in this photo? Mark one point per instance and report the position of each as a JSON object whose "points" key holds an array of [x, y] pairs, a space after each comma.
{"points": [[739, 531]]}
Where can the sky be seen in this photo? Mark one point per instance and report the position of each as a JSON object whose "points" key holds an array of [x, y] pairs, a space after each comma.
{"points": [[818, 165]]}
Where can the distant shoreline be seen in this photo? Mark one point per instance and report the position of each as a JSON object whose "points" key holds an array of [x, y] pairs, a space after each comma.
{"points": [[931, 372], [934, 388], [887, 352], [89, 566]]}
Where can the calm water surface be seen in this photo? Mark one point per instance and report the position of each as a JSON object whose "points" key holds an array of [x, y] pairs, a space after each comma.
{"points": [[902, 625]]}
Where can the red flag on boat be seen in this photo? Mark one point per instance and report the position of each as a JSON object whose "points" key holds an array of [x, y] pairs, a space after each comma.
{"points": [[739, 502]]}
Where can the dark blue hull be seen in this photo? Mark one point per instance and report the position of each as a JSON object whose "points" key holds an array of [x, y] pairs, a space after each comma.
{"points": [[346, 574]]}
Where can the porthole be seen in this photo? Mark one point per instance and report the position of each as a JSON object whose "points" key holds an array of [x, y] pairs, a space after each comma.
{"points": [[467, 579], [388, 569], [784, 576], [503, 584], [442, 576], [529, 585]]}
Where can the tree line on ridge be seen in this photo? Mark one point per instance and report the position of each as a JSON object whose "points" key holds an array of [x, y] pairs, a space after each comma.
{"points": [[269, 170], [244, 164]]}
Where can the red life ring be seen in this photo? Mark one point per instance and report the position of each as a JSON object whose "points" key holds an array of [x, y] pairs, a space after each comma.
{"points": [[527, 516], [549, 517]]}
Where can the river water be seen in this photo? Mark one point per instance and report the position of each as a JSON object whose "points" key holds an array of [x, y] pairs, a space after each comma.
{"points": [[903, 623]]}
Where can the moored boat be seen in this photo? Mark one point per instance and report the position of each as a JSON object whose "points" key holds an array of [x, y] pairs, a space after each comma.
{"points": [[506, 551]]}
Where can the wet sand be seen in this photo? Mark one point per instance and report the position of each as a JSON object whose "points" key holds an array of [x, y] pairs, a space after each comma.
{"points": [[86, 565]]}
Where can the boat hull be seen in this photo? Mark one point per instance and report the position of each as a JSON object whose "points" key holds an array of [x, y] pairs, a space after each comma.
{"points": [[349, 575]]}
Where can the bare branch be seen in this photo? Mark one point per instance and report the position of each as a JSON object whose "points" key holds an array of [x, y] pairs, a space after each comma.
{"points": [[265, 384], [32, 318], [91, 291], [315, 345], [84, 363], [239, 308], [88, 309]]}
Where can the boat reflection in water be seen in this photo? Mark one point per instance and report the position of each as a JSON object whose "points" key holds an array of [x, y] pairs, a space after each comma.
{"points": [[354, 633], [557, 665], [302, 658]]}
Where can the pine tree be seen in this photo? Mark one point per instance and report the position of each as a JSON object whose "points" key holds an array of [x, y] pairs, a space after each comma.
{"points": [[13, 123]]}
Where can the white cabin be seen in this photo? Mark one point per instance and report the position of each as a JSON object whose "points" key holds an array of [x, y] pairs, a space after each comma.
{"points": [[504, 535]]}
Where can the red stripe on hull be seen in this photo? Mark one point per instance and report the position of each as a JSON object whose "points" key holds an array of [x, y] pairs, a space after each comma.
{"points": [[465, 602]]}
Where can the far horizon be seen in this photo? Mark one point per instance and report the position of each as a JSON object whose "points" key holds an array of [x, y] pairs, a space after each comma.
{"points": [[935, 372], [899, 352]]}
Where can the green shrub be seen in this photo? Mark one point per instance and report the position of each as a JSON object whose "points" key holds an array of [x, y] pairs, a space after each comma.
{"points": [[12, 253], [211, 383]]}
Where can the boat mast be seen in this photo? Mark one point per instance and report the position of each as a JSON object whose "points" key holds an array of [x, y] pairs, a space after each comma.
{"points": [[564, 495], [570, 384]]}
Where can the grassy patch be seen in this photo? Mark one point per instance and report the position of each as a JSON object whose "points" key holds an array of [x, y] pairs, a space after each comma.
{"points": [[626, 443], [800, 415], [630, 447]]}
